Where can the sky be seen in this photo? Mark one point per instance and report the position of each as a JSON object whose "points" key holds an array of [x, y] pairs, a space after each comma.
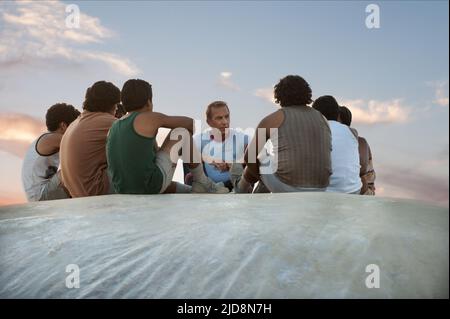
{"points": [[393, 78]]}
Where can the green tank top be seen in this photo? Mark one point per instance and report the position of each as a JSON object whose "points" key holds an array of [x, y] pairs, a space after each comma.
{"points": [[131, 159]]}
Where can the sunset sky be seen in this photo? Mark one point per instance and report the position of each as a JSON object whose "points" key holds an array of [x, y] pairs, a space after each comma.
{"points": [[394, 79]]}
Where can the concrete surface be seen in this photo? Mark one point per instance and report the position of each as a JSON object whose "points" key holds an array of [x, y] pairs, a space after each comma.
{"points": [[303, 245]]}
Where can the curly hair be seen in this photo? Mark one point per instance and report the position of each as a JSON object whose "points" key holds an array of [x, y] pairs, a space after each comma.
{"points": [[60, 113], [292, 90], [102, 96], [135, 94]]}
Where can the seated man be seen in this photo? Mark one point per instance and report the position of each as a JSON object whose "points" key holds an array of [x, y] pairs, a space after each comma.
{"points": [[135, 164], [345, 155], [83, 147], [301, 142], [40, 176], [220, 146], [366, 173]]}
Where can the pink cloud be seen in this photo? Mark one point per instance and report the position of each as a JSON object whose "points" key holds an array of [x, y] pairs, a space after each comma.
{"points": [[377, 112], [17, 132], [11, 191], [393, 181]]}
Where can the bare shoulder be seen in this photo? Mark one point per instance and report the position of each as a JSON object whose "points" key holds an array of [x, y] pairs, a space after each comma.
{"points": [[147, 123], [49, 143], [273, 120]]}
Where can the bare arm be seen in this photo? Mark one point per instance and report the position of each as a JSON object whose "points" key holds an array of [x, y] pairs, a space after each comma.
{"points": [[271, 121], [173, 122], [148, 123], [49, 144]]}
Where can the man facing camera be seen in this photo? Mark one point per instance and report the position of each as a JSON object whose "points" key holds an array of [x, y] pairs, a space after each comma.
{"points": [[220, 146]]}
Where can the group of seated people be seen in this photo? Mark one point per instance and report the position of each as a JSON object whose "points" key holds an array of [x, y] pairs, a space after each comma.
{"points": [[111, 148]]}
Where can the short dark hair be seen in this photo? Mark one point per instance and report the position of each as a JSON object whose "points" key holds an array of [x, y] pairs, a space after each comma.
{"points": [[292, 90], [345, 115], [102, 96], [328, 106], [135, 94], [60, 113], [215, 104]]}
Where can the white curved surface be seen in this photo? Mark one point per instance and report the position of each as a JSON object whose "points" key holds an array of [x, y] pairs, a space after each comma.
{"points": [[304, 245]]}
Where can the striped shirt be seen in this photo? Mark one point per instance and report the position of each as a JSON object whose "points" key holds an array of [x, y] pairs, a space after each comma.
{"points": [[304, 148]]}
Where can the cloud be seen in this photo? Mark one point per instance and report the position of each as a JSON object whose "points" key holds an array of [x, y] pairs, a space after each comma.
{"points": [[18, 131], [266, 94], [225, 81], [36, 31], [11, 191], [118, 63], [440, 92], [376, 112], [410, 183]]}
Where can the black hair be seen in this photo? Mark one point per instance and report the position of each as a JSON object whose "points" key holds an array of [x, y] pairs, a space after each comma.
{"points": [[60, 113], [345, 115], [328, 106], [102, 96], [120, 111], [292, 90], [135, 94]]}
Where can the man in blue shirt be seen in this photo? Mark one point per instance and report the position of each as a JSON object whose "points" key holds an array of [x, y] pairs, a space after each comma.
{"points": [[220, 146]]}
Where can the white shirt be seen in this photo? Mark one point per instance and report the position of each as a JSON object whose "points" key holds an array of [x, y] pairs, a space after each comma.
{"points": [[231, 150], [36, 170], [344, 160]]}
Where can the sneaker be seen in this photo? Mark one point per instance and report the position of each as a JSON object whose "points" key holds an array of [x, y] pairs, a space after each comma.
{"points": [[209, 187]]}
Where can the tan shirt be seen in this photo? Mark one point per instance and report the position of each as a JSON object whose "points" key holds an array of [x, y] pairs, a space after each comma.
{"points": [[83, 154], [367, 172]]}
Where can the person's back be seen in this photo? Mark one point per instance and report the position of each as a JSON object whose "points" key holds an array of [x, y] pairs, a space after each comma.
{"points": [[40, 176], [135, 166], [37, 169], [344, 159], [83, 147], [366, 172], [301, 142], [126, 146], [303, 147], [344, 154], [83, 156]]}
